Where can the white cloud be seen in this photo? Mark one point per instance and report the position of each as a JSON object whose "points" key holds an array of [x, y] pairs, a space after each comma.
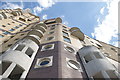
{"points": [[102, 10], [65, 22], [62, 16], [37, 9], [115, 44], [108, 28], [46, 3], [43, 4], [44, 16], [12, 6]]}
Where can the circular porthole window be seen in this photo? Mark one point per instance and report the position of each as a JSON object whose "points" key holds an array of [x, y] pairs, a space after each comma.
{"points": [[44, 62], [50, 38], [48, 47], [73, 64], [71, 50]]}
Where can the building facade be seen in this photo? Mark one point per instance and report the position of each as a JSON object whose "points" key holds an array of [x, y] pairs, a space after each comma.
{"points": [[53, 50], [14, 26]]}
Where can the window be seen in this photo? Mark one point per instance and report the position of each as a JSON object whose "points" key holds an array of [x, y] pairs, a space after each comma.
{"points": [[16, 39], [6, 33], [5, 65], [47, 47], [69, 49], [91, 41], [51, 32], [114, 49], [22, 34], [1, 36], [8, 23], [73, 64], [5, 41], [65, 30], [88, 37], [16, 27], [20, 25], [97, 55], [22, 19], [20, 47], [50, 38], [65, 34], [11, 30], [87, 58], [16, 73], [12, 36], [99, 45], [52, 28], [106, 54], [13, 22], [3, 26], [64, 27], [83, 42], [9, 45], [44, 62], [66, 39], [29, 52]]}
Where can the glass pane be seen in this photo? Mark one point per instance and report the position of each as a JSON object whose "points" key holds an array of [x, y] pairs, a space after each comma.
{"points": [[67, 39], [87, 58], [65, 34], [20, 47]]}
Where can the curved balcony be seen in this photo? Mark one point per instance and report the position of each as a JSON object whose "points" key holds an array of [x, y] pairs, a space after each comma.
{"points": [[16, 13], [77, 33], [52, 21], [95, 62], [3, 15], [34, 38], [36, 32], [58, 20], [18, 58], [41, 27]]}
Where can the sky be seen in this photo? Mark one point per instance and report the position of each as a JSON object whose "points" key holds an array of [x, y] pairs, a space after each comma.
{"points": [[98, 20]]}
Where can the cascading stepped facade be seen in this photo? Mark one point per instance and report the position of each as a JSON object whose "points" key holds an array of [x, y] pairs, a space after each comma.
{"points": [[53, 50]]}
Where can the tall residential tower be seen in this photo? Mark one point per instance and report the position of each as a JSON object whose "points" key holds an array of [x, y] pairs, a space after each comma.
{"points": [[51, 49]]}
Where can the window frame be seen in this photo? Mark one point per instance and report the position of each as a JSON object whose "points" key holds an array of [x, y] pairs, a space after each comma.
{"points": [[43, 47]]}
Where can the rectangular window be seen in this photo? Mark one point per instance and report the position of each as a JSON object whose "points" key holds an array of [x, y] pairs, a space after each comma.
{"points": [[29, 52], [65, 34], [5, 65], [64, 27], [87, 58], [66, 39], [22, 19], [20, 47], [16, 73], [65, 30]]}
